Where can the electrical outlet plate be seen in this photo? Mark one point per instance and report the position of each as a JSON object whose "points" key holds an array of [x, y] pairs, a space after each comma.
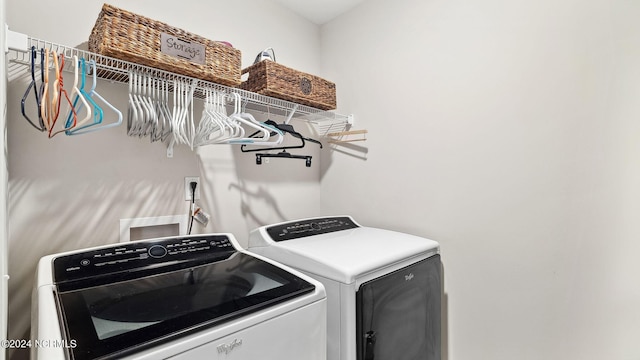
{"points": [[187, 187]]}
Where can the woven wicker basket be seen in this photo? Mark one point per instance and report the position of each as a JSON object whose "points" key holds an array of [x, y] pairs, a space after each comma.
{"points": [[130, 37], [273, 79]]}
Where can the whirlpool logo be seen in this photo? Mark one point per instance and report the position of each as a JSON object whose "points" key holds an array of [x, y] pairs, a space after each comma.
{"points": [[228, 348], [408, 277]]}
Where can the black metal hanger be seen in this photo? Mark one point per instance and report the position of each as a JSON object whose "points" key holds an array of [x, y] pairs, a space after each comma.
{"points": [[283, 154], [286, 128], [37, 92]]}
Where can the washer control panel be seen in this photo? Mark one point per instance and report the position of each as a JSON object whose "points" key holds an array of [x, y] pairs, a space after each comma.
{"points": [[304, 228], [139, 254]]}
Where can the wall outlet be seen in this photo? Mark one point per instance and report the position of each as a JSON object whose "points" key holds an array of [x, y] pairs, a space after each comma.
{"points": [[187, 187]]}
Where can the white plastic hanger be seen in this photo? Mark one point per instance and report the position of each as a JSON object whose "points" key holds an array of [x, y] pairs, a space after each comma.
{"points": [[182, 119], [142, 113], [179, 112], [167, 128], [210, 128], [145, 102]]}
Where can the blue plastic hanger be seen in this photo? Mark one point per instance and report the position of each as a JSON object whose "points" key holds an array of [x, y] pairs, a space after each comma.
{"points": [[97, 110], [93, 93]]}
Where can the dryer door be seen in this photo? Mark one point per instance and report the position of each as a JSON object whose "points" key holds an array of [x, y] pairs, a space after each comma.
{"points": [[399, 314]]}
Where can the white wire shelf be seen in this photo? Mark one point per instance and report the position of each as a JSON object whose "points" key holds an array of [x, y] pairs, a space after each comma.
{"points": [[19, 52], [325, 123]]}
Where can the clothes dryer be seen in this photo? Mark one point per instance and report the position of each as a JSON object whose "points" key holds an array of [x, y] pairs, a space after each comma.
{"points": [[189, 297], [384, 288]]}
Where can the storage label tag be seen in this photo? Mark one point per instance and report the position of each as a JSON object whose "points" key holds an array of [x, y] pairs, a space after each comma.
{"points": [[190, 51]]}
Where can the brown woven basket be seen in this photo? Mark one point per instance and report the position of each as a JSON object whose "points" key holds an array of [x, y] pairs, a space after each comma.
{"points": [[273, 79], [130, 37]]}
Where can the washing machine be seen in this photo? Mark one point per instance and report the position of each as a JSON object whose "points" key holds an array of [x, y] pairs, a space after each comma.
{"points": [[189, 297], [384, 288]]}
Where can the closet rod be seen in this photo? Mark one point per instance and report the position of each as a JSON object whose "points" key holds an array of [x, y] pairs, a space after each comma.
{"points": [[115, 70]]}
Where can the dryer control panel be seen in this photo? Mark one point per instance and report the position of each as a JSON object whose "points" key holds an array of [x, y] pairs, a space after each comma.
{"points": [[310, 227], [140, 255]]}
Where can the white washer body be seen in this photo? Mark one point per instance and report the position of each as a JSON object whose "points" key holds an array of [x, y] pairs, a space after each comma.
{"points": [[291, 330], [343, 260]]}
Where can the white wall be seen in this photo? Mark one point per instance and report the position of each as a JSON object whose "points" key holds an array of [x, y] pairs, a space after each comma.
{"points": [[508, 132], [70, 192]]}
